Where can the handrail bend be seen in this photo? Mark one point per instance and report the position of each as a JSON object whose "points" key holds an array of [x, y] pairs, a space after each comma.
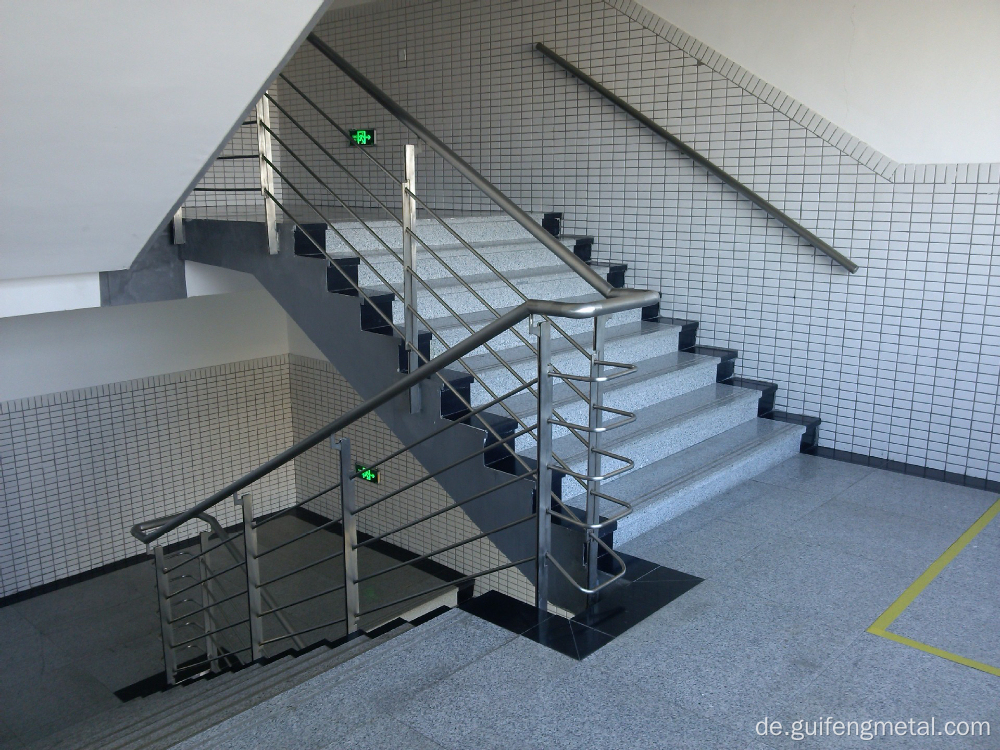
{"points": [[626, 299], [759, 201]]}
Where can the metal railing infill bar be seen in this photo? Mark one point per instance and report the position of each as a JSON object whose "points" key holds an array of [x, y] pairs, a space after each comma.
{"points": [[630, 300], [761, 203], [466, 170]]}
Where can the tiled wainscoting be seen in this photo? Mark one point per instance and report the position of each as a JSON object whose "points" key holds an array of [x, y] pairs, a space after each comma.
{"points": [[899, 360], [79, 468]]}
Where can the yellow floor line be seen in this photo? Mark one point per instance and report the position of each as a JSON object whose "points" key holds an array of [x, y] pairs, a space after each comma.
{"points": [[880, 626]]}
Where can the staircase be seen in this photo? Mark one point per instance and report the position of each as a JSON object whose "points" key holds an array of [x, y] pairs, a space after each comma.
{"points": [[559, 410]]}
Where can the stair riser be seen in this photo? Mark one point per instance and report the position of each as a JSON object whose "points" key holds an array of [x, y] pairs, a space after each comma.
{"points": [[646, 448], [500, 380], [652, 513], [508, 340], [497, 294]]}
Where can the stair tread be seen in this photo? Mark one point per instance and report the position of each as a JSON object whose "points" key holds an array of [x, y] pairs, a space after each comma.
{"points": [[655, 480], [480, 318], [624, 330], [655, 367], [485, 248], [658, 417], [444, 285]]}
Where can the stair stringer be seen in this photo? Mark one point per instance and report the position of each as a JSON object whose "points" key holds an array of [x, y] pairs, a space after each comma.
{"points": [[333, 323]]}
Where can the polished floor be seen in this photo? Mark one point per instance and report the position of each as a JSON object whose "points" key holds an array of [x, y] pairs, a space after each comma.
{"points": [[797, 565]]}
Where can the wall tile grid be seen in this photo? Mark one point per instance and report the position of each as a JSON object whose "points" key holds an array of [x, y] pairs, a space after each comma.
{"points": [[319, 395], [79, 468], [900, 360]]}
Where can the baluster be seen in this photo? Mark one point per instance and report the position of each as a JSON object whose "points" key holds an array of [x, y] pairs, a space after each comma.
{"points": [[267, 172], [594, 421], [211, 650], [543, 487], [347, 505], [253, 575], [163, 596], [409, 269]]}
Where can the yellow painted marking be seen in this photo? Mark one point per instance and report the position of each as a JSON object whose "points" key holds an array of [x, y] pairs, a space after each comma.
{"points": [[880, 626]]}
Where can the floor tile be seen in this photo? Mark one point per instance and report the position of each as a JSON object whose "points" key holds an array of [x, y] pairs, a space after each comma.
{"points": [[383, 733], [948, 505], [877, 535], [820, 476], [843, 590], [568, 637]]}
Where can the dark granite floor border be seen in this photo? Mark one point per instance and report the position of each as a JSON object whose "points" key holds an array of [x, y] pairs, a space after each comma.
{"points": [[899, 467], [644, 589]]}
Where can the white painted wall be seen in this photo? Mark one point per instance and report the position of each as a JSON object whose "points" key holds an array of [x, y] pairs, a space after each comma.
{"points": [[63, 351], [110, 109], [49, 294], [915, 79]]}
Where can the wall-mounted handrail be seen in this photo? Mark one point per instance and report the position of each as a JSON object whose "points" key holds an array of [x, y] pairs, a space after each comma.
{"points": [[627, 299], [769, 208], [469, 172]]}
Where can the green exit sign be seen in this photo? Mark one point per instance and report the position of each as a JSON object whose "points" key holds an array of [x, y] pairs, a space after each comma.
{"points": [[364, 137], [369, 475]]}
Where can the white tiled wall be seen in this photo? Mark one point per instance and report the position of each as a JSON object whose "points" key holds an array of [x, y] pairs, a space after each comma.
{"points": [[79, 468], [900, 360]]}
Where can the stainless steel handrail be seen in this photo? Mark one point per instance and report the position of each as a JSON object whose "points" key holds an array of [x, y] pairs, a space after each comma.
{"points": [[769, 208], [630, 299]]}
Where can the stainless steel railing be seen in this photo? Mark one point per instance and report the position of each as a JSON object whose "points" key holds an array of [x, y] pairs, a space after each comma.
{"points": [[754, 197], [247, 631]]}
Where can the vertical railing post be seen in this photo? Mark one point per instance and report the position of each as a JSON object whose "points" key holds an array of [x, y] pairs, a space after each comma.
{"points": [[211, 650], [163, 597], [253, 575], [177, 227], [410, 331], [594, 422], [543, 487], [267, 172], [348, 504]]}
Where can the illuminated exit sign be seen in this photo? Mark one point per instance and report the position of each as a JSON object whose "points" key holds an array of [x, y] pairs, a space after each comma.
{"points": [[364, 137], [369, 475]]}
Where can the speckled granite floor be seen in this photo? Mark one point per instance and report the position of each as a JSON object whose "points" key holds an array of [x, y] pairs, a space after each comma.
{"points": [[797, 565]]}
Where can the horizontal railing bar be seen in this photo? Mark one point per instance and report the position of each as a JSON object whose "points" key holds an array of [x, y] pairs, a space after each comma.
{"points": [[442, 550], [626, 369], [343, 132], [486, 425], [466, 170], [210, 632], [449, 467], [195, 664], [300, 537], [313, 564], [594, 590], [441, 511], [213, 577], [573, 521], [758, 200], [603, 428], [208, 606], [456, 582], [300, 632], [275, 610], [228, 157]]}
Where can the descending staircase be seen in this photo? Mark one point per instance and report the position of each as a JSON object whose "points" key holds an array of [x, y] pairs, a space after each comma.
{"points": [[166, 719]]}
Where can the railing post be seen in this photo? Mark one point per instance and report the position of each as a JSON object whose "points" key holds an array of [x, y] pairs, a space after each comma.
{"points": [[177, 227], [350, 523], [253, 574], [267, 173], [543, 487], [211, 651], [163, 597], [594, 422], [410, 330]]}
